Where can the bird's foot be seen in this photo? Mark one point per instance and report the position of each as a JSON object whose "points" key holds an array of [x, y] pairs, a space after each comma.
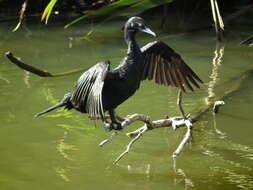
{"points": [[108, 127], [112, 126], [116, 125]]}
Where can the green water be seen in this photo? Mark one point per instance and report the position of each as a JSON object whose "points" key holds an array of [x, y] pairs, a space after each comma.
{"points": [[60, 150]]}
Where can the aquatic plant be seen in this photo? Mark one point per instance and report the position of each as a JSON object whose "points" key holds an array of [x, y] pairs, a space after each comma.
{"points": [[110, 10]]}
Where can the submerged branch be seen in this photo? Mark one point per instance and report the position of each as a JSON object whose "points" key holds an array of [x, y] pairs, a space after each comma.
{"points": [[35, 70], [26, 67]]}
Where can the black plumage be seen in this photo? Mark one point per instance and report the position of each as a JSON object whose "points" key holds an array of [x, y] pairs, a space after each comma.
{"points": [[99, 90]]}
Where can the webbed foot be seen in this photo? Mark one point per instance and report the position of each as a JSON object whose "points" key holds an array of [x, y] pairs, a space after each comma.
{"points": [[112, 126], [108, 126], [116, 126]]}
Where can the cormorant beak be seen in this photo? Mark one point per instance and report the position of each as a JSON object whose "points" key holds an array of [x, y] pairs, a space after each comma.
{"points": [[148, 31]]}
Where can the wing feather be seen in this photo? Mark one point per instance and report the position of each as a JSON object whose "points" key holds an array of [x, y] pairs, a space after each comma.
{"points": [[88, 93], [163, 77], [151, 67], [158, 75], [180, 79], [170, 76], [154, 70], [164, 66], [184, 79], [145, 70]]}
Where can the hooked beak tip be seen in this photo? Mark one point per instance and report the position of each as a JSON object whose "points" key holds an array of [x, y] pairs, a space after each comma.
{"points": [[153, 34], [148, 31]]}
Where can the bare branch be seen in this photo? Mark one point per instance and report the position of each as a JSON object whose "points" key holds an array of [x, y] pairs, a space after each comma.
{"points": [[131, 118], [217, 106], [179, 103], [108, 139], [174, 122], [135, 133], [185, 140], [128, 147]]}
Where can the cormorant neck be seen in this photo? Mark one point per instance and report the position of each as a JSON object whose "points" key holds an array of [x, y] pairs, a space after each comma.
{"points": [[130, 40]]}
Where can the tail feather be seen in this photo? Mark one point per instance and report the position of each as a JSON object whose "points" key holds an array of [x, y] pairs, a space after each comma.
{"points": [[65, 102], [49, 109]]}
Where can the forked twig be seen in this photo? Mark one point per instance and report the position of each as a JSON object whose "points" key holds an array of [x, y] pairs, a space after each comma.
{"points": [[179, 103], [185, 140], [174, 122], [128, 147], [217, 106], [109, 139]]}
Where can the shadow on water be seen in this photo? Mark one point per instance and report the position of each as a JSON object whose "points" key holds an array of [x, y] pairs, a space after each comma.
{"points": [[60, 150]]}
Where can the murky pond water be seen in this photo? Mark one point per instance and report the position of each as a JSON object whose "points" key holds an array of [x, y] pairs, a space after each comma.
{"points": [[60, 150]]}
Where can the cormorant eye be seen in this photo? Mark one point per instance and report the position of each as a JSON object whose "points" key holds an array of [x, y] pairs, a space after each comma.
{"points": [[137, 25], [140, 25]]}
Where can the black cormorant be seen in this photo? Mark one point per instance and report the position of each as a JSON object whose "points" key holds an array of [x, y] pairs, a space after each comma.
{"points": [[99, 90]]}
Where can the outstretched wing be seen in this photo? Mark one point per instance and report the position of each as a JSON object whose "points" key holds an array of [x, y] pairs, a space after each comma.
{"points": [[164, 66], [88, 92]]}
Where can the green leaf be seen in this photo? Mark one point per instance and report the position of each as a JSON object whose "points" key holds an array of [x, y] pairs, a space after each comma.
{"points": [[48, 10], [121, 8]]}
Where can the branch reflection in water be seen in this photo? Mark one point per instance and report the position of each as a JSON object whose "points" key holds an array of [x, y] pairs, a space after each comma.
{"points": [[188, 183], [217, 61], [27, 79]]}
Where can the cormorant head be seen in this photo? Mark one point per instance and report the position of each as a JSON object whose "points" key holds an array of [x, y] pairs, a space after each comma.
{"points": [[137, 24]]}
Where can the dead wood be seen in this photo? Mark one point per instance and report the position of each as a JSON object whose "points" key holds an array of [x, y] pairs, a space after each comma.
{"points": [[42, 73]]}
